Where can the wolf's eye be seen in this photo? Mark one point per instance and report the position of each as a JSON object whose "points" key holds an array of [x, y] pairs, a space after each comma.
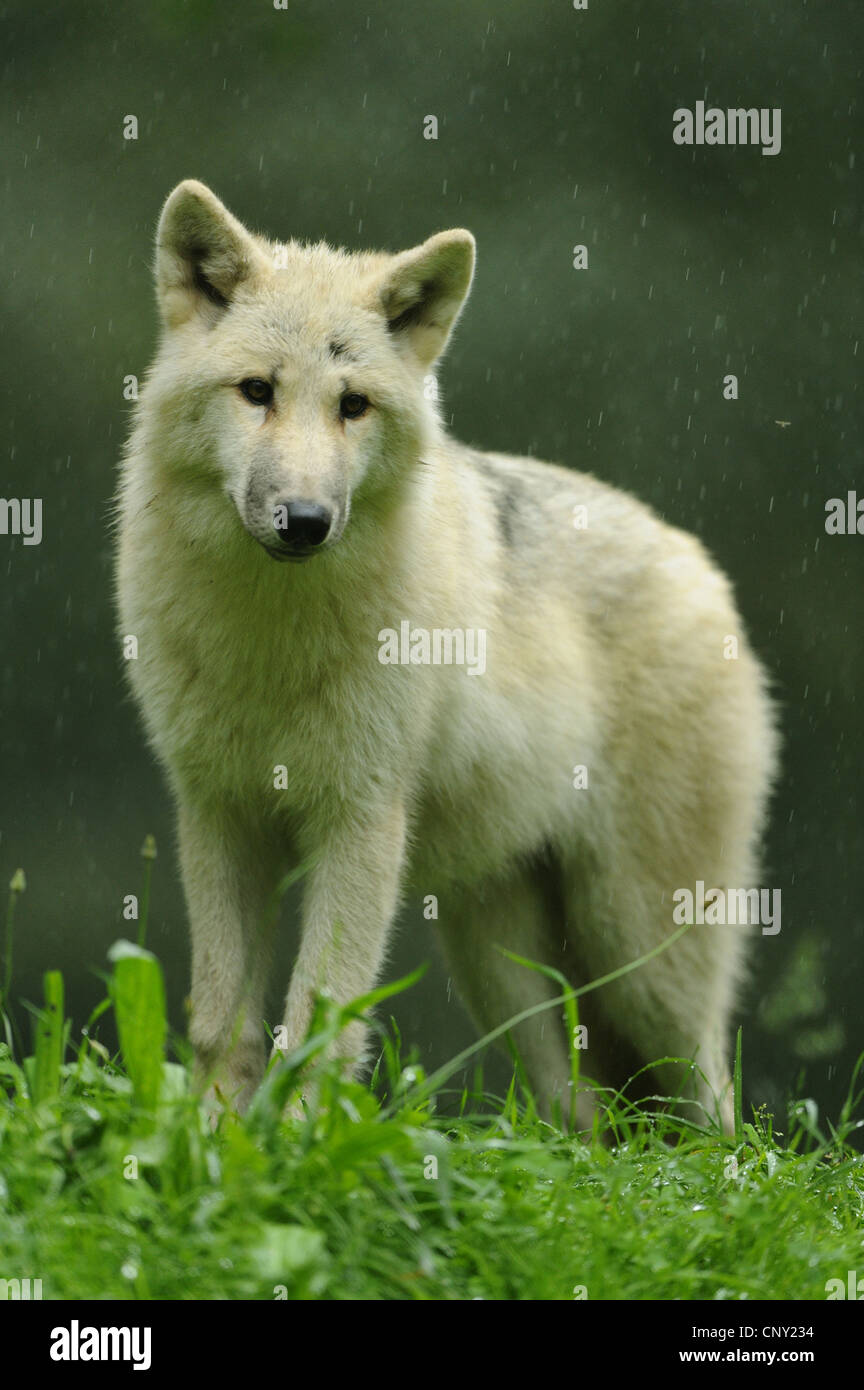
{"points": [[353, 405], [256, 391]]}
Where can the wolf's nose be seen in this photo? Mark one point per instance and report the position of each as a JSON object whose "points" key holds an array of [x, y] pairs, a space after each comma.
{"points": [[302, 525]]}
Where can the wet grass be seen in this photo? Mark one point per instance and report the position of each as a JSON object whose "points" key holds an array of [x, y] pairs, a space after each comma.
{"points": [[115, 1184]]}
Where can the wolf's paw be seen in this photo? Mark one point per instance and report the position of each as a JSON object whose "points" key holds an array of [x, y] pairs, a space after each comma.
{"points": [[226, 1096], [294, 1110]]}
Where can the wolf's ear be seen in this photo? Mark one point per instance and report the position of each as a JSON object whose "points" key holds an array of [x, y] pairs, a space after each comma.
{"points": [[423, 291], [202, 254]]}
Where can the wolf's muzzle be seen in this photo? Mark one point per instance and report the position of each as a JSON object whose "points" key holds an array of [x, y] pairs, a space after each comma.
{"points": [[302, 527]]}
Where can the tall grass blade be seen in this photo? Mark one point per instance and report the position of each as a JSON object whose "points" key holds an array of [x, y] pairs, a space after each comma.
{"points": [[138, 992], [49, 1040]]}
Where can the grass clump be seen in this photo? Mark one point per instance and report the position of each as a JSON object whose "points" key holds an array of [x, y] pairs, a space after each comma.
{"points": [[115, 1184]]}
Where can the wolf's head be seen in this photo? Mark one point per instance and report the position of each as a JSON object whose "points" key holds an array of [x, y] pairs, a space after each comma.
{"points": [[291, 377]]}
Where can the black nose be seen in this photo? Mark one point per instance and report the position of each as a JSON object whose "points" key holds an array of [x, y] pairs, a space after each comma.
{"points": [[301, 525]]}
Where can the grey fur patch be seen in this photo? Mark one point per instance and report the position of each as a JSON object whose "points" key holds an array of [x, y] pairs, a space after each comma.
{"points": [[508, 496]]}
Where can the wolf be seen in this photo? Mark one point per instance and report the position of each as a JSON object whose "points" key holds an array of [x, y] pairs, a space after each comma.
{"points": [[288, 496]]}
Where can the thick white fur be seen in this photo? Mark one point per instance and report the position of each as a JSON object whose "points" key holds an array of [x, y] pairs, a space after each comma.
{"points": [[605, 648]]}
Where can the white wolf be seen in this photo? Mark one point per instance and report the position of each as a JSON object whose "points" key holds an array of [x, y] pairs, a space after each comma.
{"points": [[287, 419]]}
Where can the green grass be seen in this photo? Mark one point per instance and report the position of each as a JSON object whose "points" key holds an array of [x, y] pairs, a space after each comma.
{"points": [[113, 1184]]}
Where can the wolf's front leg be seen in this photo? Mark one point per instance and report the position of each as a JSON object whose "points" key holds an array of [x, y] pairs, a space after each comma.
{"points": [[349, 904], [229, 872]]}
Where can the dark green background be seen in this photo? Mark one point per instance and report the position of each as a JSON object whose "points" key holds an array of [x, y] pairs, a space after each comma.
{"points": [[555, 128]]}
